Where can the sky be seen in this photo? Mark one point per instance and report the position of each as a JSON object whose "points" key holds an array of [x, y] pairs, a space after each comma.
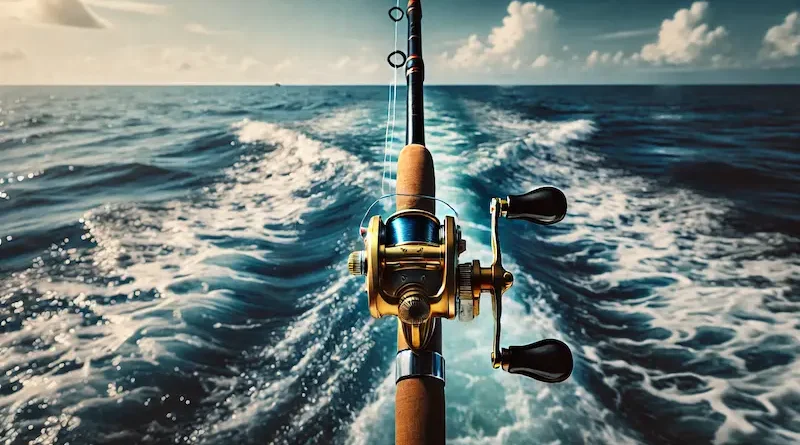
{"points": [[123, 42]]}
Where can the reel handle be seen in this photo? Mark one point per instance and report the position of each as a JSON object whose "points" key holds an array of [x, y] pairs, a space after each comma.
{"points": [[545, 206], [548, 361]]}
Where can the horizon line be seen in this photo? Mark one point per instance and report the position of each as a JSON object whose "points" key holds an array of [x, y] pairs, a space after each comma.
{"points": [[274, 85]]}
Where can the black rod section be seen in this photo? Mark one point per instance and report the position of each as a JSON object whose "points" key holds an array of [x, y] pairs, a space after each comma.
{"points": [[415, 76]]}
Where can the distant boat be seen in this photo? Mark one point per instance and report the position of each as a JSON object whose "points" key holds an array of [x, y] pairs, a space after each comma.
{"points": [[277, 84]]}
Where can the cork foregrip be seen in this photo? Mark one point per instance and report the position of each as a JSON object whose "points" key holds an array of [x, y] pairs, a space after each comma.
{"points": [[419, 402]]}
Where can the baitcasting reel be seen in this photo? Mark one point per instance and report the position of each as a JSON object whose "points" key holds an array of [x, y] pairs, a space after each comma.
{"points": [[412, 272]]}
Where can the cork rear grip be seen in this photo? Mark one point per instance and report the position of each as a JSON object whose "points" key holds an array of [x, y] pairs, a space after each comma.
{"points": [[415, 177], [419, 402]]}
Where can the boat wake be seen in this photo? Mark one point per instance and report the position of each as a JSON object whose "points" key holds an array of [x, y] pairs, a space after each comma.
{"points": [[194, 292], [671, 307], [174, 270]]}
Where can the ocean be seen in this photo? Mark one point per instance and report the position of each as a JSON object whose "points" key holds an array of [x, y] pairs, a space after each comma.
{"points": [[173, 263]]}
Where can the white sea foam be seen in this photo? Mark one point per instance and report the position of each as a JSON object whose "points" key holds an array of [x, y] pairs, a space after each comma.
{"points": [[264, 196], [307, 334], [308, 162], [648, 232], [668, 117], [369, 425], [544, 134], [342, 121]]}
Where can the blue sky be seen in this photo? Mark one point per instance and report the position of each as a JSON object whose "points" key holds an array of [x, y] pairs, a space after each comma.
{"points": [[346, 41]]}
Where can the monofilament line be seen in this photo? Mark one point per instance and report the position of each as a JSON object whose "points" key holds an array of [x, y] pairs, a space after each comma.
{"points": [[391, 117]]}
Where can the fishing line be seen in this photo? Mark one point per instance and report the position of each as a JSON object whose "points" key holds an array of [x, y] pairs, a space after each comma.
{"points": [[386, 140], [396, 14]]}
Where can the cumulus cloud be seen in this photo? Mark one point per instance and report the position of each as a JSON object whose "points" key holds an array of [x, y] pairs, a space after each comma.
{"points": [[197, 28], [685, 38], [597, 58], [783, 41], [522, 18], [510, 41], [12, 55], [60, 12], [541, 61], [129, 6], [73, 13]]}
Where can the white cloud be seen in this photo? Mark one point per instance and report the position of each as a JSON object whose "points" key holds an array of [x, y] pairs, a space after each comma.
{"points": [[722, 61], [249, 63], [186, 59], [283, 66], [619, 35], [467, 55], [154, 64], [593, 58], [783, 41], [341, 63], [170, 59], [197, 28], [684, 39], [508, 42], [368, 68], [73, 13], [522, 18], [58, 12], [208, 64], [541, 61], [129, 6], [597, 58], [361, 64], [12, 55]]}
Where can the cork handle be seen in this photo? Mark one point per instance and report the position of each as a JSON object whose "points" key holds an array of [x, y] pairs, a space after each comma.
{"points": [[419, 402], [415, 177]]}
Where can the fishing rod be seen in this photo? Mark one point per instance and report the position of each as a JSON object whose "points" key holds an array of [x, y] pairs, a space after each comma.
{"points": [[411, 265]]}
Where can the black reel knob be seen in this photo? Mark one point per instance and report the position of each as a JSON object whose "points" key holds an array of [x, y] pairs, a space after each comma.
{"points": [[547, 360], [545, 205]]}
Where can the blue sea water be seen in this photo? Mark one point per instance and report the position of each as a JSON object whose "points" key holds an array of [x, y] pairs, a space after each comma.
{"points": [[172, 263]]}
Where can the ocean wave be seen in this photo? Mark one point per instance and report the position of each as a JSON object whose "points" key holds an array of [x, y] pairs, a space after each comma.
{"points": [[517, 135], [660, 267], [213, 306], [668, 117], [150, 278]]}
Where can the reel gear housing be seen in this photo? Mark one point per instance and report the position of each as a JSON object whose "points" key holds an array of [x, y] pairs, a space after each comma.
{"points": [[411, 264]]}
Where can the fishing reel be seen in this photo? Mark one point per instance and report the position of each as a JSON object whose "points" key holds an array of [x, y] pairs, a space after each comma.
{"points": [[412, 269]]}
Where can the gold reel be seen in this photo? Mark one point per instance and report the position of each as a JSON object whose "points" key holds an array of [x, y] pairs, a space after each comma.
{"points": [[413, 279], [411, 266]]}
